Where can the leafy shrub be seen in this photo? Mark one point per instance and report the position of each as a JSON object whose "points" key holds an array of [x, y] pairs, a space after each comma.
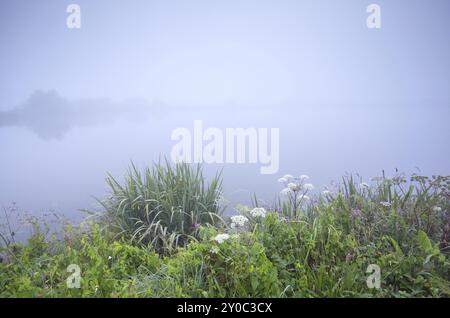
{"points": [[318, 259], [39, 268], [312, 258], [237, 267]]}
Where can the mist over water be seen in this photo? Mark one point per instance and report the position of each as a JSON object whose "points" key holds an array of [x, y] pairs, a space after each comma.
{"points": [[76, 104], [62, 173]]}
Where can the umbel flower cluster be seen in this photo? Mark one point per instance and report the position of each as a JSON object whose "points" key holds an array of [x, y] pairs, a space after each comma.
{"points": [[296, 189], [220, 238], [258, 212], [238, 221], [239, 224]]}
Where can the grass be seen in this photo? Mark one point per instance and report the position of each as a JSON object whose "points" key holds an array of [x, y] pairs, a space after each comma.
{"points": [[162, 206], [161, 234]]}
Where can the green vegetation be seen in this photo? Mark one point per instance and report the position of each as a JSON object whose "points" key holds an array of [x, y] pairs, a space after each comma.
{"points": [[161, 234], [162, 207]]}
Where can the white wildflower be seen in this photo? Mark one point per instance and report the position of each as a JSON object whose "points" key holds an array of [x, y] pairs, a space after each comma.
{"points": [[364, 185], [285, 191], [305, 198], [304, 177], [308, 187], [326, 192], [282, 180], [385, 204], [256, 212], [288, 177], [238, 220], [293, 186], [437, 209], [214, 250], [220, 238]]}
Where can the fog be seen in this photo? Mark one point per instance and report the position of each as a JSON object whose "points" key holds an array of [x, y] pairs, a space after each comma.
{"points": [[78, 103]]}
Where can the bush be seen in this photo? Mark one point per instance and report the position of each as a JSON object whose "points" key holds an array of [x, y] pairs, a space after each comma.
{"points": [[237, 267], [40, 268]]}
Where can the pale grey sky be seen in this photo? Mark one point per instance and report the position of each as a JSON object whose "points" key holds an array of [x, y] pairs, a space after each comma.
{"points": [[78, 103]]}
